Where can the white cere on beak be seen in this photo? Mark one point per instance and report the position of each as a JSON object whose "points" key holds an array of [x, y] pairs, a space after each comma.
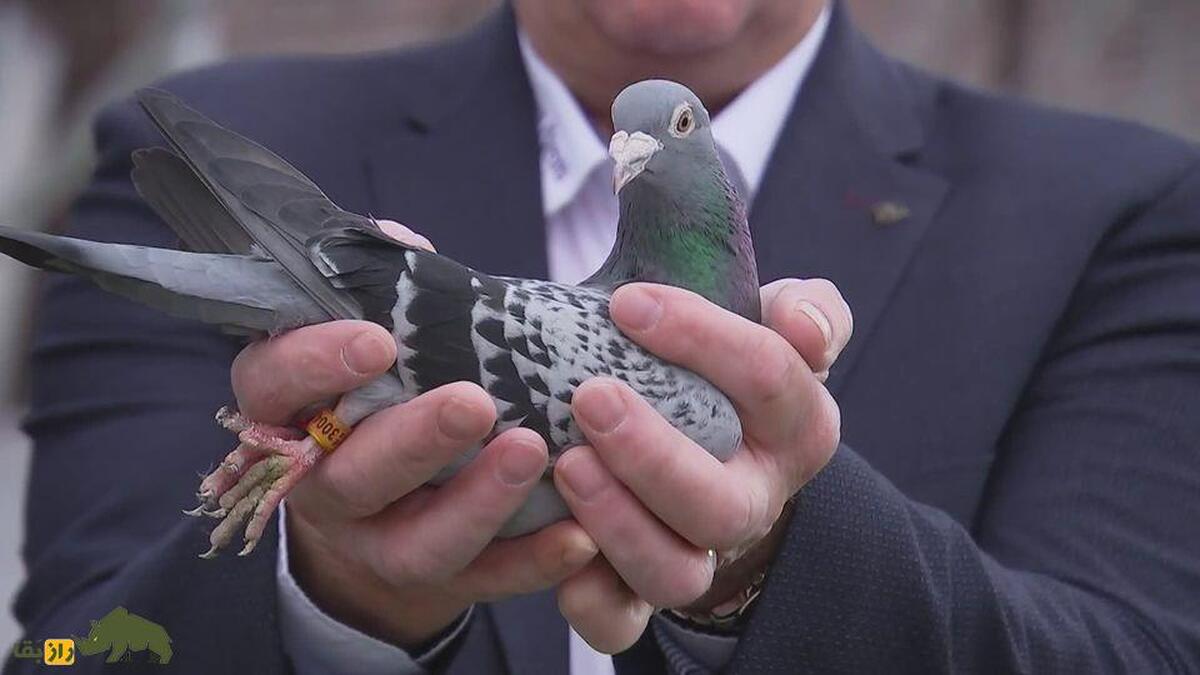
{"points": [[631, 152]]}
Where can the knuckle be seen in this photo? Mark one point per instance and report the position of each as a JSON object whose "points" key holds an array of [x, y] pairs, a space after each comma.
{"points": [[313, 367], [773, 367], [636, 442], [827, 420], [345, 481], [822, 434], [751, 521], [354, 503], [267, 392], [685, 583], [550, 563], [683, 329], [247, 376], [657, 465], [823, 287], [422, 563], [683, 339], [243, 364], [762, 512]]}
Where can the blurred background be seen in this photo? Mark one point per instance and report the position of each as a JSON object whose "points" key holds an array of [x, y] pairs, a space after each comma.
{"points": [[62, 59]]}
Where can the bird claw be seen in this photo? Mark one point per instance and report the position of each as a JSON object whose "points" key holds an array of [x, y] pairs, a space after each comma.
{"points": [[248, 548], [250, 482], [231, 419], [194, 513]]}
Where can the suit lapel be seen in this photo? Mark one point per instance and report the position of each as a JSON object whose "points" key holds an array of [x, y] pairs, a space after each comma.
{"points": [[838, 199], [461, 165]]}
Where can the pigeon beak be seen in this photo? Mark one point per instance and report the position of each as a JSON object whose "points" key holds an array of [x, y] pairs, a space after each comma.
{"points": [[631, 152]]}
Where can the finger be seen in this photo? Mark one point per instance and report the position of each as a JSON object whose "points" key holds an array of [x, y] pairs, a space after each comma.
{"points": [[394, 451], [404, 235], [772, 387], [527, 564], [666, 471], [602, 609], [436, 542], [782, 405], [812, 316], [655, 562], [275, 378]]}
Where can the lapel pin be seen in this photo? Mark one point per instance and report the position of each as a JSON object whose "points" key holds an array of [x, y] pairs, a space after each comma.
{"points": [[889, 213]]}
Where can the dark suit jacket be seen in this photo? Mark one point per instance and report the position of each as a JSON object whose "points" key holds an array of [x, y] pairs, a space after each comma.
{"points": [[1019, 486]]}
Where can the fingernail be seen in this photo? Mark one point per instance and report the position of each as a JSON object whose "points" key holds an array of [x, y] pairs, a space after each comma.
{"points": [[584, 476], [639, 309], [600, 406], [366, 354], [456, 420], [818, 317], [520, 464]]}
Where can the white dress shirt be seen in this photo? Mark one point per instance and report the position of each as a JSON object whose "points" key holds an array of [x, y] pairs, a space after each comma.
{"points": [[581, 223]]}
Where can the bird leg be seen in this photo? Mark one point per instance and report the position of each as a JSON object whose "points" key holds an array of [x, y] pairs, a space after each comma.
{"points": [[251, 481]]}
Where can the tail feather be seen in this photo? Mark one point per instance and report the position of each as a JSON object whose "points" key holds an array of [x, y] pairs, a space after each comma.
{"points": [[242, 294]]}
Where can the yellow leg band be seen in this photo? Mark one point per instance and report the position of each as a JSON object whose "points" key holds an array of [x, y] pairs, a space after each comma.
{"points": [[327, 430]]}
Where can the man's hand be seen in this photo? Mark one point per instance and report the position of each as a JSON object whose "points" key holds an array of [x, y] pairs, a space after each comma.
{"points": [[655, 502], [368, 543]]}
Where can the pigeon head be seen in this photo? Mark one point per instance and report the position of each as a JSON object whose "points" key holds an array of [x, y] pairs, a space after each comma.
{"points": [[681, 222], [662, 134]]}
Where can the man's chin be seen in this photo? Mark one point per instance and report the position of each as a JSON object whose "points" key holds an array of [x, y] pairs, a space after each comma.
{"points": [[669, 28]]}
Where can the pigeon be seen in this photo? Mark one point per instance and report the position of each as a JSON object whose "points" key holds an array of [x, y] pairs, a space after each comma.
{"points": [[267, 251]]}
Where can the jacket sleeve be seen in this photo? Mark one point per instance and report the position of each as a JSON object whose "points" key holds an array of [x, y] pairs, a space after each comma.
{"points": [[121, 421], [1085, 554]]}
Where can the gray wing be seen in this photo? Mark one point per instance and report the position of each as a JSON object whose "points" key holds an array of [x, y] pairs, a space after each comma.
{"points": [[186, 204], [276, 205], [243, 294], [557, 336]]}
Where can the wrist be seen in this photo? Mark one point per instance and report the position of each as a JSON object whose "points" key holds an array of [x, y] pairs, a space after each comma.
{"points": [[351, 593]]}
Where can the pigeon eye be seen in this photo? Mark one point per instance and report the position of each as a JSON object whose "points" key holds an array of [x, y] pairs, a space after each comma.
{"points": [[682, 121]]}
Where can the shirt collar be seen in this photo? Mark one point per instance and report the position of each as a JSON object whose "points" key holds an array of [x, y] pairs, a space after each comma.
{"points": [[570, 147], [745, 130]]}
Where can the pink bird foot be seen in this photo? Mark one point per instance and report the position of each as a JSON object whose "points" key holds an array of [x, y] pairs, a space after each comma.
{"points": [[251, 481]]}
